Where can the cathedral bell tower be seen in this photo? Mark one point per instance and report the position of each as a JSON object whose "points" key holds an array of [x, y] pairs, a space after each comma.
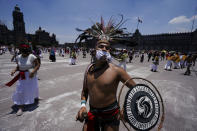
{"points": [[19, 25]]}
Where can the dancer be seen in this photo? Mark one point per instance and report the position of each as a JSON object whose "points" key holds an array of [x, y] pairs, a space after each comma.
{"points": [[176, 61], [189, 64], [168, 65], [123, 59], [27, 86], [142, 57], [100, 86], [52, 55], [73, 57], [155, 63]]}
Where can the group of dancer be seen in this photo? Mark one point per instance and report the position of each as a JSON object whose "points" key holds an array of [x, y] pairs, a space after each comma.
{"points": [[28, 63], [180, 61], [100, 84], [174, 60]]}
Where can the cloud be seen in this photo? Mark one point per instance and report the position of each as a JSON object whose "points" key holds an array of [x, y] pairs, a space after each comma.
{"points": [[182, 19], [179, 19], [194, 17]]}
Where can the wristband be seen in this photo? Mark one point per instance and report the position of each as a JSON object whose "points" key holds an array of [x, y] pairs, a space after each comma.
{"points": [[83, 103]]}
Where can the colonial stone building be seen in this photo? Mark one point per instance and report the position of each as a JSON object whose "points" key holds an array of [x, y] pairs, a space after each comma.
{"points": [[6, 35], [18, 35], [183, 42]]}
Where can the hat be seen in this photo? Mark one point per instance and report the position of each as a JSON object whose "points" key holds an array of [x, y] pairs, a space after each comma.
{"points": [[24, 45], [103, 41], [103, 33]]}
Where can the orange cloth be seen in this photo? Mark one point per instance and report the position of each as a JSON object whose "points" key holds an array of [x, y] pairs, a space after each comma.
{"points": [[169, 58], [184, 57], [177, 58]]}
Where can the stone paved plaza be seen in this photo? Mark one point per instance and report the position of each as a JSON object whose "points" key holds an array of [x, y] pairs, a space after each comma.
{"points": [[60, 87]]}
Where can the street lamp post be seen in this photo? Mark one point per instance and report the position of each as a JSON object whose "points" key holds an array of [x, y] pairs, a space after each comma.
{"points": [[193, 21]]}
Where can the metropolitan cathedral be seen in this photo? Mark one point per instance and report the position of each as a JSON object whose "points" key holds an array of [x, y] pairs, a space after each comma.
{"points": [[18, 34]]}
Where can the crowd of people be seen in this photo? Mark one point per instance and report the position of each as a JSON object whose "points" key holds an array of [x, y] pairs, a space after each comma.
{"points": [[28, 62], [174, 60], [101, 78]]}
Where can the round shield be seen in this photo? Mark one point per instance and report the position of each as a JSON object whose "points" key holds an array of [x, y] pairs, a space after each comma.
{"points": [[141, 107]]}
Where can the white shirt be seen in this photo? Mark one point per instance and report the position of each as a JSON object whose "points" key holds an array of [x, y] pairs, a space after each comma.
{"points": [[25, 63]]}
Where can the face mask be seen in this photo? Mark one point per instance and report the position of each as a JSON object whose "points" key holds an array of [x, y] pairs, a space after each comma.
{"points": [[100, 53], [24, 51]]}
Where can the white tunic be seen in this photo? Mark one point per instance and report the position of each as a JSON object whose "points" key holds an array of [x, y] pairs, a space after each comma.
{"points": [[25, 63], [27, 89]]}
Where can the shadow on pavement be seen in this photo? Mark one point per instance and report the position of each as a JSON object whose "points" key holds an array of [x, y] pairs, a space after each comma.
{"points": [[28, 108]]}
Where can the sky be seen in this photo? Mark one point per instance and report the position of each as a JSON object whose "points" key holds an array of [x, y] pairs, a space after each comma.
{"points": [[62, 17]]}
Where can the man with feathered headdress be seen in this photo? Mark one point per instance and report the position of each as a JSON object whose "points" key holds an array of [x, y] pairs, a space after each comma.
{"points": [[101, 81]]}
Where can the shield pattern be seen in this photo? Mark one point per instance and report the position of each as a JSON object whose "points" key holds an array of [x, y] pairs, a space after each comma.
{"points": [[141, 107]]}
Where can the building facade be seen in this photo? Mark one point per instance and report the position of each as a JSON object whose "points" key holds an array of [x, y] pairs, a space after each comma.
{"points": [[182, 42], [18, 34]]}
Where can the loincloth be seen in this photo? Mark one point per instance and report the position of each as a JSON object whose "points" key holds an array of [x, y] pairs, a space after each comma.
{"points": [[99, 117]]}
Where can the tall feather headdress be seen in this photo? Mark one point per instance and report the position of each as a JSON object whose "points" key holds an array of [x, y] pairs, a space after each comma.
{"points": [[109, 32]]}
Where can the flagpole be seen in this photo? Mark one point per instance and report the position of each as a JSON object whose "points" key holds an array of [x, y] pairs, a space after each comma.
{"points": [[193, 21], [137, 22]]}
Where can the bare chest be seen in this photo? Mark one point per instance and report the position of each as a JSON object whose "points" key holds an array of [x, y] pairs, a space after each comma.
{"points": [[102, 79]]}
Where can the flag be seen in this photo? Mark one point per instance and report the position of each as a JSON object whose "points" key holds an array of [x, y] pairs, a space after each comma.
{"points": [[140, 21]]}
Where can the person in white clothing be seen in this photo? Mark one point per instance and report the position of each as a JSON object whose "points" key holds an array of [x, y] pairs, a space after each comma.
{"points": [[168, 65], [27, 86], [123, 59], [73, 57]]}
